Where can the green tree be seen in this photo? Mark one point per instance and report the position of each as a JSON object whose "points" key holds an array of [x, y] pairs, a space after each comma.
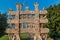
{"points": [[3, 23], [54, 21]]}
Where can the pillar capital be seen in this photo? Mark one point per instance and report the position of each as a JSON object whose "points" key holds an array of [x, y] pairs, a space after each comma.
{"points": [[20, 6], [17, 6], [26, 8], [36, 5]]}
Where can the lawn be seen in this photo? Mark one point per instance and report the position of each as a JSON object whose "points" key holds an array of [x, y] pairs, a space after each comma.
{"points": [[23, 37], [5, 37]]}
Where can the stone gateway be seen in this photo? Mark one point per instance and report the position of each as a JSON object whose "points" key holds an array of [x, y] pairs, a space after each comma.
{"points": [[27, 21]]}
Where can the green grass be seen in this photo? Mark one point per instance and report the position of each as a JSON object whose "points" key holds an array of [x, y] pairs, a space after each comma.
{"points": [[23, 37], [5, 37]]}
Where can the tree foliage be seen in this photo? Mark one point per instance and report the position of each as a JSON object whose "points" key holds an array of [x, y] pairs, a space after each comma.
{"points": [[3, 23], [54, 21]]}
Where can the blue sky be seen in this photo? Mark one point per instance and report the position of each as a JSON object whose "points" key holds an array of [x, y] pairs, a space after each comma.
{"points": [[6, 4]]}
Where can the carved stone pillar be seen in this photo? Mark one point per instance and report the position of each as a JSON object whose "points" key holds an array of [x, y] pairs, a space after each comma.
{"points": [[39, 37], [17, 36], [34, 37], [45, 36], [22, 25]]}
